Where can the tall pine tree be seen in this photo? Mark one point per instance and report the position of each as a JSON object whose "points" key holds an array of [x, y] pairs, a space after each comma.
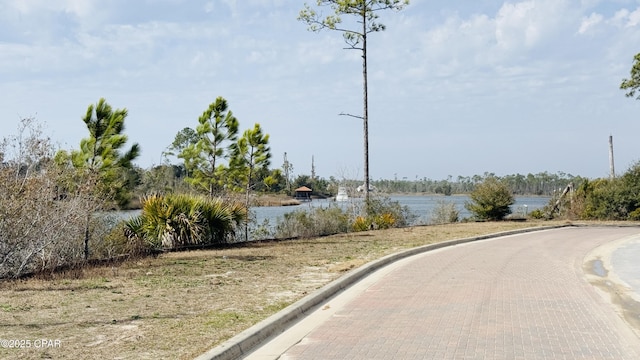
{"points": [[216, 132], [101, 163]]}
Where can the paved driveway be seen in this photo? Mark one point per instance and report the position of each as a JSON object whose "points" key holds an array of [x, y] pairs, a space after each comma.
{"points": [[516, 297]]}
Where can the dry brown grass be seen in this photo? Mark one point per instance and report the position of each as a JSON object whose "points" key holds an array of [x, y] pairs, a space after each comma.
{"points": [[179, 305]]}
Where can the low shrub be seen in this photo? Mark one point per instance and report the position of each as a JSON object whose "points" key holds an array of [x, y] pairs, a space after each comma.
{"points": [[261, 231], [177, 221], [40, 230], [490, 200], [389, 209], [316, 222], [444, 213], [384, 221], [537, 214], [361, 223], [116, 243], [375, 222], [380, 212]]}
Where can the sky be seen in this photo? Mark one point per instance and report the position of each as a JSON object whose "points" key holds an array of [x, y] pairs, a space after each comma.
{"points": [[456, 88]]}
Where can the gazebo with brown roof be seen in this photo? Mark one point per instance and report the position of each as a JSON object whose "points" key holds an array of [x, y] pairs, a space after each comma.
{"points": [[303, 193]]}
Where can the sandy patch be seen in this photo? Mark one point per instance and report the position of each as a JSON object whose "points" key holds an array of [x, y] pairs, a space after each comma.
{"points": [[599, 271]]}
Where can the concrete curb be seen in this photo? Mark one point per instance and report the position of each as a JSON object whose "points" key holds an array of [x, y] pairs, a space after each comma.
{"points": [[243, 343]]}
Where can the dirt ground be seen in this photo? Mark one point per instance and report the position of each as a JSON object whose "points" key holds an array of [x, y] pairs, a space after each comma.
{"points": [[179, 305]]}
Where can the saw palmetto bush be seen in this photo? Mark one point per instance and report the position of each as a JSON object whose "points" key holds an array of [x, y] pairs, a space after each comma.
{"points": [[178, 221]]}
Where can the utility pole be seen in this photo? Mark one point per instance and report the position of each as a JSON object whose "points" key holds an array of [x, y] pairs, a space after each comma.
{"points": [[612, 171], [287, 167]]}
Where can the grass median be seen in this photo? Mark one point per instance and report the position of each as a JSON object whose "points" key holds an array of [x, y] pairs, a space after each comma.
{"points": [[179, 305]]}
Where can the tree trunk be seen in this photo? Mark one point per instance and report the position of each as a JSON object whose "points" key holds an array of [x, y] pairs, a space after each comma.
{"points": [[246, 221], [86, 238]]}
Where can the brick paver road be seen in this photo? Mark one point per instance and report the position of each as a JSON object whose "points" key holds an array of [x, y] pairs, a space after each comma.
{"points": [[517, 297]]}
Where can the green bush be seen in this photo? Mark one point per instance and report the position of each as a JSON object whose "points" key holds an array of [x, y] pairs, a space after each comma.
{"points": [[175, 221], [603, 199], [361, 223], [377, 222], [490, 200], [612, 199], [537, 214], [115, 244], [635, 215]]}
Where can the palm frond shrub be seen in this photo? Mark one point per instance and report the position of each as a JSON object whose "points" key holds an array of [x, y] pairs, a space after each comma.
{"points": [[360, 223], [374, 222], [385, 221], [176, 221]]}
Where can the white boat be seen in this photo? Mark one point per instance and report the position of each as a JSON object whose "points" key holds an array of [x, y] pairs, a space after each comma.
{"points": [[361, 188], [342, 194]]}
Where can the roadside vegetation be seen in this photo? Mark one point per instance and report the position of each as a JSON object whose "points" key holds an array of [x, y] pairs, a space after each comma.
{"points": [[184, 221], [72, 269], [615, 198], [491, 200], [177, 305], [56, 205]]}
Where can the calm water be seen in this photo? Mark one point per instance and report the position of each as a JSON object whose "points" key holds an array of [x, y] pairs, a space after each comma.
{"points": [[420, 206]]}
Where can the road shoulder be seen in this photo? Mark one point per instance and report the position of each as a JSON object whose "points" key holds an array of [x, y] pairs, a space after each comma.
{"points": [[600, 272]]}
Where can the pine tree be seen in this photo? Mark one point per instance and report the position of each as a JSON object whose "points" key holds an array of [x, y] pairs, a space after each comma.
{"points": [[365, 13], [102, 165], [216, 132], [250, 154]]}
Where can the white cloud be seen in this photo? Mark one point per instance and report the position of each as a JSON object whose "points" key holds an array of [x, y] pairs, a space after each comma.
{"points": [[634, 18], [590, 22], [530, 24], [626, 18], [515, 25]]}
